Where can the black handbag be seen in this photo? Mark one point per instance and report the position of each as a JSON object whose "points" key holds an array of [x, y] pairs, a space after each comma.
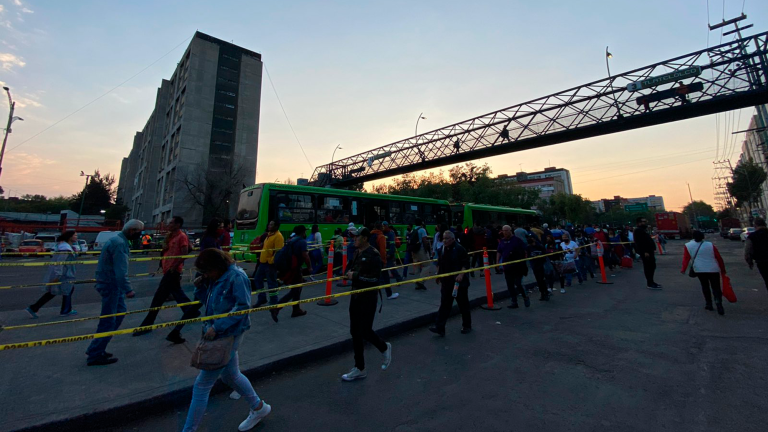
{"points": [[691, 272]]}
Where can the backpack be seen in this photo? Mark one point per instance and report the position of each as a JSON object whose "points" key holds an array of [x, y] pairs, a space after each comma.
{"points": [[283, 257], [414, 242]]}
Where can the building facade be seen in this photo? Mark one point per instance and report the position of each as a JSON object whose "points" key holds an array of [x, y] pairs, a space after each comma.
{"points": [[199, 147], [549, 182], [651, 202], [755, 149]]}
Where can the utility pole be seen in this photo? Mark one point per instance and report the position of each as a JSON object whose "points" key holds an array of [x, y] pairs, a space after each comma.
{"points": [[693, 207], [11, 119]]}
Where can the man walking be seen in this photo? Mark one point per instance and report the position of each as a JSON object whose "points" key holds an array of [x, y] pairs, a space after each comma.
{"points": [[391, 251], [536, 249], [452, 257], [299, 256], [418, 243], [113, 285], [645, 246], [176, 244], [510, 249], [365, 272], [756, 249], [272, 243]]}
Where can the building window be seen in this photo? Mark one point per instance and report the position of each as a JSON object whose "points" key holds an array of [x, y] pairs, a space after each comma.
{"points": [[222, 130], [225, 105], [230, 57], [228, 69], [227, 93]]}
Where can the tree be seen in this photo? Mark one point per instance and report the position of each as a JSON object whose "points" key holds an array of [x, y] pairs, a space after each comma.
{"points": [[745, 187], [99, 194], [212, 191], [564, 208], [725, 213], [704, 212]]}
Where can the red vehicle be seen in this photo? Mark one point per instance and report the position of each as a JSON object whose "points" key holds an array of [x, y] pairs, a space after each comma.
{"points": [[674, 225], [31, 246]]}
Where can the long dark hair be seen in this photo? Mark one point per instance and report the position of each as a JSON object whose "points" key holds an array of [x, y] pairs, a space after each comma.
{"points": [[698, 236], [213, 259], [212, 229], [66, 236]]}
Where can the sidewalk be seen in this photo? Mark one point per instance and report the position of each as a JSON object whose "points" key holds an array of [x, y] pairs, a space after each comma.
{"points": [[51, 385]]}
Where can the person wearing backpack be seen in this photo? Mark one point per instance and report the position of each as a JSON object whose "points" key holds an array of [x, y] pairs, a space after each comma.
{"points": [[418, 244], [289, 261], [365, 272]]}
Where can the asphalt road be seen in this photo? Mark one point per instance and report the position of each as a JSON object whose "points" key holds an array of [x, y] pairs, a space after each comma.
{"points": [[599, 358]]}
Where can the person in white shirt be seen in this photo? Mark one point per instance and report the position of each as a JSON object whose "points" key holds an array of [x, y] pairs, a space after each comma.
{"points": [[569, 264]]}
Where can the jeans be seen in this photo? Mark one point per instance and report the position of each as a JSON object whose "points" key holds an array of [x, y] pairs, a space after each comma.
{"points": [[446, 304], [386, 276], [514, 284], [112, 301], [362, 311], [231, 376], [268, 271], [407, 260], [710, 281], [584, 265], [66, 303], [393, 273], [170, 284], [649, 268]]}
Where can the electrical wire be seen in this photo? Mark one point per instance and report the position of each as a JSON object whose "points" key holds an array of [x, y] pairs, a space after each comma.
{"points": [[91, 102], [642, 171], [286, 118]]}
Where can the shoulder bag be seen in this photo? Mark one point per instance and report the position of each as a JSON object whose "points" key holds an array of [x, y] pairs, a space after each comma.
{"points": [[215, 354], [691, 272]]}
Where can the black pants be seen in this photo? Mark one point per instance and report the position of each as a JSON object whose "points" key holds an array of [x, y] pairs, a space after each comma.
{"points": [[362, 310], [66, 302], [710, 281], [170, 284], [763, 268], [446, 304], [649, 268], [541, 279], [477, 259], [514, 284]]}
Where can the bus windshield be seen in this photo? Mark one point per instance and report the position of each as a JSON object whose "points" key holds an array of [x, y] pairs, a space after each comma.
{"points": [[248, 209]]}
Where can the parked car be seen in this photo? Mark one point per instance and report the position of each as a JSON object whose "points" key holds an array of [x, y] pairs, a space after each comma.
{"points": [[102, 238], [31, 246], [735, 233], [746, 233], [81, 246], [49, 241]]}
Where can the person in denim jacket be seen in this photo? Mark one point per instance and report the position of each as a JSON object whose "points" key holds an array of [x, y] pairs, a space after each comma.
{"points": [[223, 288], [62, 273]]}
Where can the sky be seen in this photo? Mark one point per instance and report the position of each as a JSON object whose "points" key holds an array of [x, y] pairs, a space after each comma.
{"points": [[84, 75]]}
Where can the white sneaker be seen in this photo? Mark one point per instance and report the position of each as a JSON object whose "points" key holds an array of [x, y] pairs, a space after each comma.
{"points": [[394, 296], [562, 290], [386, 357], [254, 417], [549, 290], [354, 374], [234, 395]]}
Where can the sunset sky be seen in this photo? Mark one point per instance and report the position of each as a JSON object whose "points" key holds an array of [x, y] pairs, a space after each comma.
{"points": [[357, 74]]}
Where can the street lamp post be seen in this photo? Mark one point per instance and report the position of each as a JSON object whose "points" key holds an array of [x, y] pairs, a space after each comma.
{"points": [[11, 119], [82, 200], [608, 56], [417, 123], [334, 152]]}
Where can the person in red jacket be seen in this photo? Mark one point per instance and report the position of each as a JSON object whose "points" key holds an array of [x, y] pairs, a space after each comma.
{"points": [[707, 264]]}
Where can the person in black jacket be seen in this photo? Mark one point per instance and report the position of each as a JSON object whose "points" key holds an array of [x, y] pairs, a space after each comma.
{"points": [[536, 249], [365, 272], [646, 247], [452, 257]]}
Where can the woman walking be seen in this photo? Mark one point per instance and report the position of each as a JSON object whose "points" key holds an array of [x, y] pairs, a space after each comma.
{"points": [[706, 263], [223, 287], [62, 273], [554, 262], [210, 239]]}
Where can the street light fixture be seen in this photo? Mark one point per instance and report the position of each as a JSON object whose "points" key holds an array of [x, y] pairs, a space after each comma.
{"points": [[421, 117], [334, 152], [11, 119], [82, 200]]}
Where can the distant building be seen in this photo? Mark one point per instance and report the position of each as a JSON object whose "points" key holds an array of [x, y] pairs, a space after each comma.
{"points": [[651, 203], [198, 148], [755, 149], [548, 182]]}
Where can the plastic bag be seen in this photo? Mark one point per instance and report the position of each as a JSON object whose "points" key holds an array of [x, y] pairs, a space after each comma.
{"points": [[728, 289]]}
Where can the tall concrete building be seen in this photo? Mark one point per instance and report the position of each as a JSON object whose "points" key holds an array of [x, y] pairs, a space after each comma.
{"points": [[755, 149], [549, 182], [198, 148]]}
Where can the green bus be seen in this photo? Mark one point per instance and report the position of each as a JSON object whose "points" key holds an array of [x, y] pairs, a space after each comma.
{"points": [[335, 208], [330, 209]]}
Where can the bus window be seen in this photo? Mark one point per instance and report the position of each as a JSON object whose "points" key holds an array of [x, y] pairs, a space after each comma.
{"points": [[356, 211], [294, 208], [395, 213], [427, 215], [411, 213], [375, 210], [248, 208], [331, 210], [443, 215]]}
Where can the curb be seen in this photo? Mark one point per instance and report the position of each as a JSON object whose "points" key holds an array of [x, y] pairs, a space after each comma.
{"points": [[180, 398]]}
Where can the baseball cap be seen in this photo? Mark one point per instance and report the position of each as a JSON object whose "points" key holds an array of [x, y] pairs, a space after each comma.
{"points": [[365, 232], [352, 231], [351, 225]]}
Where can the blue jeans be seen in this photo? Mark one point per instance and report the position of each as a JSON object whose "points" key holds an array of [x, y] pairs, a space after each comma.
{"points": [[112, 301], [231, 376], [268, 271], [407, 260]]}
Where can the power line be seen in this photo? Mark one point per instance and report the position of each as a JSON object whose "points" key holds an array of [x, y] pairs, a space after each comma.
{"points": [[91, 102], [286, 117], [642, 171], [611, 167]]}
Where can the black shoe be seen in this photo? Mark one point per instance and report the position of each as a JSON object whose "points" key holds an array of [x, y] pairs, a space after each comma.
{"points": [[175, 338], [465, 330], [142, 333], [513, 306], [544, 298], [527, 302], [709, 307], [193, 315], [421, 287], [298, 313], [720, 309], [102, 361], [274, 313], [436, 330], [108, 355]]}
